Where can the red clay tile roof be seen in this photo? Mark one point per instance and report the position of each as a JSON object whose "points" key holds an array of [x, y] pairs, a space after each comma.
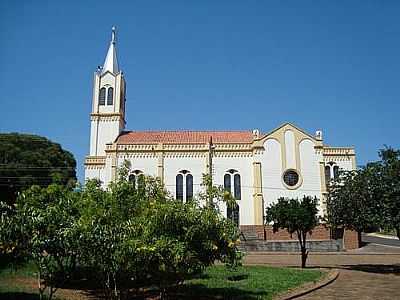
{"points": [[184, 137]]}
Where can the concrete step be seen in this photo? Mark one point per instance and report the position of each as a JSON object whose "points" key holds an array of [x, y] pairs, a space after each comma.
{"points": [[249, 236]]}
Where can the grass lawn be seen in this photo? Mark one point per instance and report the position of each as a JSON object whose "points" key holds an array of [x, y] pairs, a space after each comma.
{"points": [[248, 282]]}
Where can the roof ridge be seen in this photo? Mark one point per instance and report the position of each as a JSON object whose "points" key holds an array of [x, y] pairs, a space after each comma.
{"points": [[187, 130], [183, 136]]}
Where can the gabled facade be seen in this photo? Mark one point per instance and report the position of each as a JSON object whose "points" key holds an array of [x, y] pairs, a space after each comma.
{"points": [[257, 168]]}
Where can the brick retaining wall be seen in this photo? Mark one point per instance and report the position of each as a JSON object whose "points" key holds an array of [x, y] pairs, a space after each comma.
{"points": [[351, 239]]}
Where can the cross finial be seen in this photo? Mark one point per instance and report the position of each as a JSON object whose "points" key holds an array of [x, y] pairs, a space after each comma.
{"points": [[113, 35]]}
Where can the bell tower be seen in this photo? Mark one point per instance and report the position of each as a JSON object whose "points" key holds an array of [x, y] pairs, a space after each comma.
{"points": [[107, 118]]}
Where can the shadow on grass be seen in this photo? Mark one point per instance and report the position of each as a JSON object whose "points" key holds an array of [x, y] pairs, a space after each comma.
{"points": [[199, 291], [202, 292], [18, 296]]}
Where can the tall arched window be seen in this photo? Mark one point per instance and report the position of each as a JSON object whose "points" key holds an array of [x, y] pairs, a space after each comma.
{"points": [[232, 212], [132, 179], [137, 179], [237, 189], [227, 182], [179, 187], [110, 95], [335, 172], [184, 186], [189, 187], [102, 96], [327, 174]]}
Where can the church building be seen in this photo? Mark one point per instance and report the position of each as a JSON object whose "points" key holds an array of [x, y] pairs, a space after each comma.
{"points": [[256, 167]]}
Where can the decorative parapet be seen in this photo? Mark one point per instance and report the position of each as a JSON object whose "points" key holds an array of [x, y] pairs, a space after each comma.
{"points": [[95, 162], [338, 151], [340, 154]]}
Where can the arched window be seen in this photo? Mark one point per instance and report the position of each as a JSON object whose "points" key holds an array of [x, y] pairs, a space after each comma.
{"points": [[237, 189], [335, 172], [132, 179], [137, 179], [102, 96], [327, 174], [227, 182], [110, 95], [189, 187], [179, 187], [140, 181]]}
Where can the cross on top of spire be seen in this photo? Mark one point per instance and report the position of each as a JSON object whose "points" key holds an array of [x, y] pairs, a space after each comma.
{"points": [[113, 35], [111, 61]]}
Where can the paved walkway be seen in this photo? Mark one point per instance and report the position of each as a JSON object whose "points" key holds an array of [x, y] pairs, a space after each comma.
{"points": [[362, 275], [380, 239]]}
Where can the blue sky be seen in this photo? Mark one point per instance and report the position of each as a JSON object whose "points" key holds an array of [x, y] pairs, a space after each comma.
{"points": [[330, 65]]}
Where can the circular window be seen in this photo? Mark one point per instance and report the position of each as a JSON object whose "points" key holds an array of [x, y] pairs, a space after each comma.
{"points": [[291, 178]]}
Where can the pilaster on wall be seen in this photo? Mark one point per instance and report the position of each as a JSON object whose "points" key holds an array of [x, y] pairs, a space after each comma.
{"points": [[160, 165], [257, 195], [114, 166], [353, 162], [324, 191]]}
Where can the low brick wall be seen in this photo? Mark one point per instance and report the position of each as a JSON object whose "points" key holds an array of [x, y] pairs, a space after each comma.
{"points": [[351, 239], [320, 232]]}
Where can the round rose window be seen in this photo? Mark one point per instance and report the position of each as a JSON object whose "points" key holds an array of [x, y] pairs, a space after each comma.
{"points": [[291, 177]]}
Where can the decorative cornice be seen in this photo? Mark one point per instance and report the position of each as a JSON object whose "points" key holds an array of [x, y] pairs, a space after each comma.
{"points": [[95, 162], [165, 148], [107, 117]]}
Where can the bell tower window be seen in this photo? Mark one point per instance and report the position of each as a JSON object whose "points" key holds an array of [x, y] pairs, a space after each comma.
{"points": [[110, 95], [102, 96]]}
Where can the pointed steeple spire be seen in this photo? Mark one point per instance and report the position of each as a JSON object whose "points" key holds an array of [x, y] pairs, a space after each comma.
{"points": [[111, 62]]}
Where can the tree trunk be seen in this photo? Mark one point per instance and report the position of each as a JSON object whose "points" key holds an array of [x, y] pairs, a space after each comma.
{"points": [[302, 237], [398, 232], [304, 255]]}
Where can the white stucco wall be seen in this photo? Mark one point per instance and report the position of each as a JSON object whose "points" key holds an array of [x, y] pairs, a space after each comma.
{"points": [[310, 170], [244, 166], [272, 171], [96, 173], [148, 165], [196, 165]]}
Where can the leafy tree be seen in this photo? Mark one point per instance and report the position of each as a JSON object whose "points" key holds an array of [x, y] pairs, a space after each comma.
{"points": [[355, 199], [42, 227], [216, 193], [390, 177], [139, 235], [296, 216], [124, 236], [27, 160]]}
